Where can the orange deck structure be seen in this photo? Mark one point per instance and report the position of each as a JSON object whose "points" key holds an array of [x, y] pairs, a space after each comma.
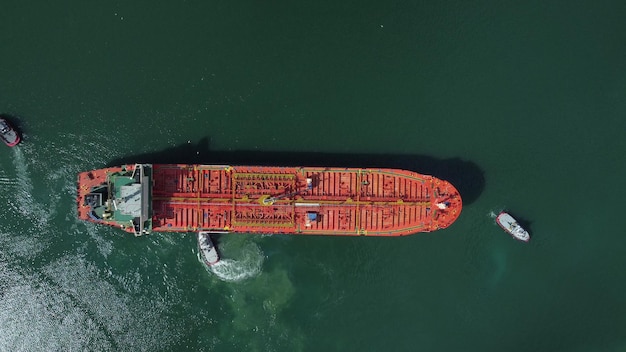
{"points": [[142, 198]]}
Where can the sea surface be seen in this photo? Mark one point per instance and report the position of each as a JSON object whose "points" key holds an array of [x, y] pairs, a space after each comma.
{"points": [[521, 105]]}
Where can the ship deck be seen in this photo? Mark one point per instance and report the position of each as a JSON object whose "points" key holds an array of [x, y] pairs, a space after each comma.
{"points": [[303, 200]]}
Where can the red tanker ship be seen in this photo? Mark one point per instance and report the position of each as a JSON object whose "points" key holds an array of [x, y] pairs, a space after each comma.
{"points": [[142, 198]]}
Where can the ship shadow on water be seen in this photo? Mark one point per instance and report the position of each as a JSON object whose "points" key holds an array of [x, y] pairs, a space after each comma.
{"points": [[466, 176]]}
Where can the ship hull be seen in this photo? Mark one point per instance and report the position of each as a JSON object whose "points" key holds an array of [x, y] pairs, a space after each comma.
{"points": [[8, 134], [206, 249], [511, 226], [266, 200]]}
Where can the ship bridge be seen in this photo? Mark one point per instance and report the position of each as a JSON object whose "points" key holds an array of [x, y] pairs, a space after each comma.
{"points": [[131, 200], [119, 196]]}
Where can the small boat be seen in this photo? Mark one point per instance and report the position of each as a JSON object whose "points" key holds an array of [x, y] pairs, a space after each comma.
{"points": [[8, 134], [510, 225], [208, 252]]}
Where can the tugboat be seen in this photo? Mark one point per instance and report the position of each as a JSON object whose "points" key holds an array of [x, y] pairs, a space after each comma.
{"points": [[510, 225], [8, 134], [208, 252]]}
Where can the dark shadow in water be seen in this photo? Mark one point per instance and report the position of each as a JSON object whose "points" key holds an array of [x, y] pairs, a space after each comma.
{"points": [[466, 176]]}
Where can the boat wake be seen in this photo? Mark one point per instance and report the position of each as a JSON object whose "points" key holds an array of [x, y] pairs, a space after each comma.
{"points": [[248, 264], [7, 181], [494, 214], [27, 161], [25, 204]]}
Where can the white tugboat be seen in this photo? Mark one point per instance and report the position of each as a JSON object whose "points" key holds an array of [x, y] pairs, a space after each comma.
{"points": [[208, 252], [510, 225], [8, 134]]}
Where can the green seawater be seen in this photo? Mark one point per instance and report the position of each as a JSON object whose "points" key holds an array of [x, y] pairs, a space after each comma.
{"points": [[522, 105]]}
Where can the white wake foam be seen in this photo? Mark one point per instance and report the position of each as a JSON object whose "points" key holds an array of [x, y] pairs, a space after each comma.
{"points": [[25, 203], [7, 181], [246, 266], [494, 213]]}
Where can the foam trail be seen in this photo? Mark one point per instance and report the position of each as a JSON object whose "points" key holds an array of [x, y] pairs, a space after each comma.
{"points": [[7, 181], [231, 270], [25, 202], [499, 261], [494, 213]]}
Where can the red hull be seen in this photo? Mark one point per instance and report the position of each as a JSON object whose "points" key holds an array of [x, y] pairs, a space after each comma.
{"points": [[17, 141], [8, 134], [290, 200]]}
